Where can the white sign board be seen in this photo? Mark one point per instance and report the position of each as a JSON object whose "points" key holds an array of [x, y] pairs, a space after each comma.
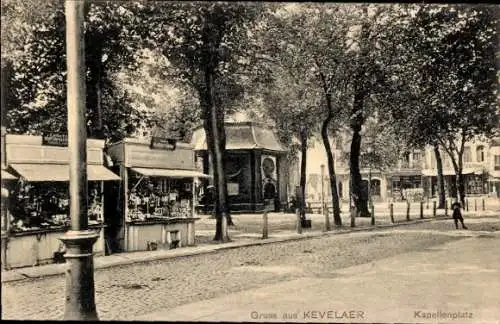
{"points": [[233, 189]]}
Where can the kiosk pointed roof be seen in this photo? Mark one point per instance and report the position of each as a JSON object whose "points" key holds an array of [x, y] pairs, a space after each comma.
{"points": [[242, 135]]}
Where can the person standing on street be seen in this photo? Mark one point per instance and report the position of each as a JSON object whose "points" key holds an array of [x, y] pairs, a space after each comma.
{"points": [[457, 215]]}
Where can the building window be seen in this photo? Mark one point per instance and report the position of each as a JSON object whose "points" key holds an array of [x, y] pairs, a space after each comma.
{"points": [[497, 162], [467, 157], [480, 153], [375, 187]]}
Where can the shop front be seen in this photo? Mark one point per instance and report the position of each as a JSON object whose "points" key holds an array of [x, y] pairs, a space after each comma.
{"points": [[38, 201], [405, 186], [475, 184], [156, 198]]}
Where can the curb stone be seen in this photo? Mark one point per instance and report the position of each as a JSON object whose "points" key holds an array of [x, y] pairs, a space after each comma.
{"points": [[121, 260]]}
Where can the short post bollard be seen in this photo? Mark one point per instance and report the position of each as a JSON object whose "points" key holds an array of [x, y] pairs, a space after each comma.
{"points": [[391, 212], [408, 211], [372, 220], [475, 204], [467, 204], [427, 206], [446, 209], [484, 205], [327, 218], [299, 223], [433, 209], [421, 209], [264, 226]]}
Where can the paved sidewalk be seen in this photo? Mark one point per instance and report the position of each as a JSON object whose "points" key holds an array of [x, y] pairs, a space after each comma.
{"points": [[246, 239], [457, 282]]}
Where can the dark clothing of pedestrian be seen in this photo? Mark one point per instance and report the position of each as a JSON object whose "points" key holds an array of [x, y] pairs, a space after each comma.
{"points": [[457, 215]]}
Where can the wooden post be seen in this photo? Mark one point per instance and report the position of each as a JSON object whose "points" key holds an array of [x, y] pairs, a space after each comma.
{"points": [[475, 204], [467, 204], [446, 209], [484, 205], [299, 224], [264, 226], [373, 215], [434, 207], [421, 209], [407, 210], [427, 203], [391, 212], [327, 217]]}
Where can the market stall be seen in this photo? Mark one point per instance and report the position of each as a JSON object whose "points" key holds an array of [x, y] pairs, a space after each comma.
{"points": [[156, 196], [38, 203]]}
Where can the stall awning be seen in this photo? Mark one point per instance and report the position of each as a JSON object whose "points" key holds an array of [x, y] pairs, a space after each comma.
{"points": [[7, 176], [170, 173], [60, 172]]}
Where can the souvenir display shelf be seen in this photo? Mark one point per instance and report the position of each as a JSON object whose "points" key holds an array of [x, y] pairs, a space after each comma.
{"points": [[45, 206]]}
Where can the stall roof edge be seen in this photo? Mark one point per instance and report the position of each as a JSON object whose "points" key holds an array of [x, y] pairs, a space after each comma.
{"points": [[36, 140], [145, 141], [259, 136], [241, 123]]}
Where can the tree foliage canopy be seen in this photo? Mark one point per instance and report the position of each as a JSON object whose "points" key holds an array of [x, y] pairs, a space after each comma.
{"points": [[37, 102]]}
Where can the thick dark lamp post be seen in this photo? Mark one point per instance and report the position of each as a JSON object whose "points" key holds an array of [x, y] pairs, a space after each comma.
{"points": [[80, 300]]}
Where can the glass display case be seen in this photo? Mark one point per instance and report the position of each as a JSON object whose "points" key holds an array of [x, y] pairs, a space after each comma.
{"points": [[41, 205], [159, 198]]}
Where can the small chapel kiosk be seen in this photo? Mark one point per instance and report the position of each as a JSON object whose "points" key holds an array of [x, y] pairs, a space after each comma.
{"points": [[255, 166]]}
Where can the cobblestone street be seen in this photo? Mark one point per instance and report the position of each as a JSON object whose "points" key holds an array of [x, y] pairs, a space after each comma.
{"points": [[125, 292]]}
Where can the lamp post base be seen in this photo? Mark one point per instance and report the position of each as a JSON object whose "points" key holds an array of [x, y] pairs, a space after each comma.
{"points": [[80, 297]]}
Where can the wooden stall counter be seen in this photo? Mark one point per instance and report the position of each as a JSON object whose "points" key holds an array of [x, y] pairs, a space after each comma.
{"points": [[38, 246], [157, 234]]}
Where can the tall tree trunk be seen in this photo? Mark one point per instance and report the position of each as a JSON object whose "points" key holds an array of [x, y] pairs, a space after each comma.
{"points": [[440, 177], [458, 167], [460, 179], [357, 192], [222, 143], [303, 165], [461, 188], [331, 169], [361, 90], [6, 79], [213, 140]]}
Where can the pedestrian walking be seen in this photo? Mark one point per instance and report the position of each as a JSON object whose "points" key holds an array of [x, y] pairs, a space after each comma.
{"points": [[457, 215]]}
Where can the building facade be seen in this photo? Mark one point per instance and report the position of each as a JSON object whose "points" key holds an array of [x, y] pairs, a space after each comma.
{"points": [[414, 176]]}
